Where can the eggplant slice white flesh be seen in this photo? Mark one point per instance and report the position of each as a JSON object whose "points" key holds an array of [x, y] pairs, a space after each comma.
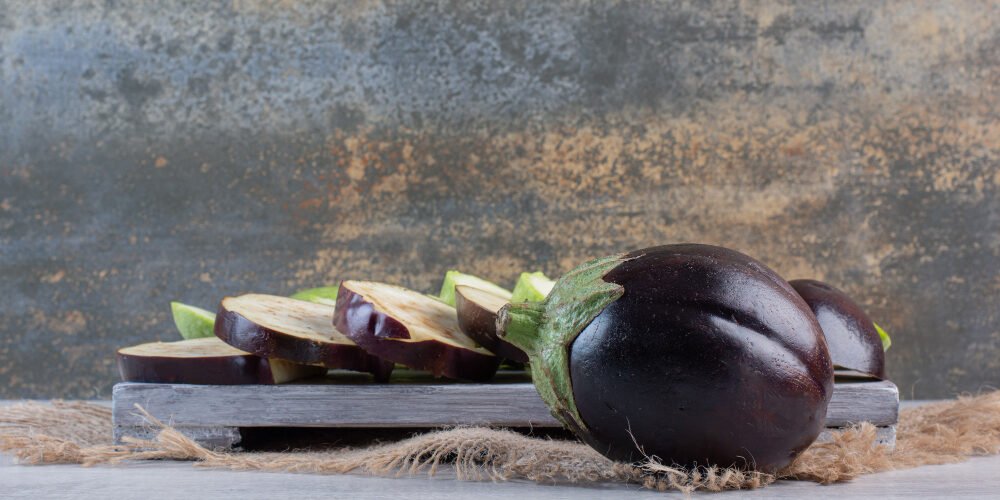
{"points": [[412, 329], [477, 317], [271, 326], [454, 278], [205, 361], [532, 287]]}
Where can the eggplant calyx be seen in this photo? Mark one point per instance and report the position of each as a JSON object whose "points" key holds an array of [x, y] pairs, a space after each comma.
{"points": [[520, 323], [886, 341], [545, 331]]}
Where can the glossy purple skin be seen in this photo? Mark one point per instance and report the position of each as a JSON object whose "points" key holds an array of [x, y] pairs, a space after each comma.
{"points": [[709, 358], [480, 324], [850, 334], [375, 332], [245, 335], [216, 370]]}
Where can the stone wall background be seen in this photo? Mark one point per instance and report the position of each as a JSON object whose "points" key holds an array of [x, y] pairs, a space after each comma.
{"points": [[159, 151]]}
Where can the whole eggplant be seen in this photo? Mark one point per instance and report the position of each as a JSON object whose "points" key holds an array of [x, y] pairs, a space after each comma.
{"points": [[855, 341], [695, 354]]}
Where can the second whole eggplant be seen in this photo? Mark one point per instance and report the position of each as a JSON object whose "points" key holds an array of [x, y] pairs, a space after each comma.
{"points": [[855, 341]]}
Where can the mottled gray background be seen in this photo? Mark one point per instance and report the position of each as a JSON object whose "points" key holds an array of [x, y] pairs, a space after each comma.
{"points": [[152, 151]]}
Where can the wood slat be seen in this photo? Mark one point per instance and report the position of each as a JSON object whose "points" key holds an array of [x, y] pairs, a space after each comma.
{"points": [[406, 405]]}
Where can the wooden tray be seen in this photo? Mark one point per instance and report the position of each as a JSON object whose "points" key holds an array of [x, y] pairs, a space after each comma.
{"points": [[214, 414]]}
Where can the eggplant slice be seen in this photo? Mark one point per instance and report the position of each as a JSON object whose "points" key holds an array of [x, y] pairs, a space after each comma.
{"points": [[192, 322], [532, 287], [271, 326], [411, 329], [477, 317], [454, 278], [322, 295], [205, 361]]}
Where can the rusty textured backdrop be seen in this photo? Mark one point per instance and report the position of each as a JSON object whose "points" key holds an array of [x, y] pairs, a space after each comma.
{"points": [[158, 151]]}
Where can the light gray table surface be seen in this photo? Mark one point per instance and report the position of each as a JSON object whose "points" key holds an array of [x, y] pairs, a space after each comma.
{"points": [[976, 478]]}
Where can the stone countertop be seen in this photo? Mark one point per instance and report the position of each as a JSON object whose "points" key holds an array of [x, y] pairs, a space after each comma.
{"points": [[976, 478]]}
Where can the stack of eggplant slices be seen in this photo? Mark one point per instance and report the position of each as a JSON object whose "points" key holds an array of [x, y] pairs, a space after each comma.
{"points": [[360, 326]]}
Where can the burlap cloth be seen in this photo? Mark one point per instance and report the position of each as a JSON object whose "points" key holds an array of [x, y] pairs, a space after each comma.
{"points": [[80, 433]]}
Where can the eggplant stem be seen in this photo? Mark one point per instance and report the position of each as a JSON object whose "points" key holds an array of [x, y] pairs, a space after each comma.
{"points": [[519, 324]]}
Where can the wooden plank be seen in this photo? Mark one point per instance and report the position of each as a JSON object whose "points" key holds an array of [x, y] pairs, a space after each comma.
{"points": [[854, 402], [335, 405], [406, 405], [212, 438], [885, 436]]}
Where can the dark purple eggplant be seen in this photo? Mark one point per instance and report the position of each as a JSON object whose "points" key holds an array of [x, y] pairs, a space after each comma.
{"points": [[270, 326], [412, 329], [697, 355], [205, 361], [854, 341], [477, 317]]}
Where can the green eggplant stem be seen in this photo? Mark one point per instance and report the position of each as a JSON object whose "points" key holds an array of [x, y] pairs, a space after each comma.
{"points": [[519, 324], [545, 330]]}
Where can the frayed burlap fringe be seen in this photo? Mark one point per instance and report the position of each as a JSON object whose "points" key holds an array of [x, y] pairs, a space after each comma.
{"points": [[46, 433]]}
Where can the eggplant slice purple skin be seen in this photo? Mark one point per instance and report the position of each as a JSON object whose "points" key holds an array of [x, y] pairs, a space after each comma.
{"points": [[851, 336], [362, 316], [478, 320], [245, 334], [698, 355], [229, 367]]}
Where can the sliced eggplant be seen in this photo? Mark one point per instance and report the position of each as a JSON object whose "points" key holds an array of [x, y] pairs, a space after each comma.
{"points": [[411, 329], [192, 322], [477, 317], [453, 278], [205, 361], [322, 295], [883, 336], [532, 287], [270, 326]]}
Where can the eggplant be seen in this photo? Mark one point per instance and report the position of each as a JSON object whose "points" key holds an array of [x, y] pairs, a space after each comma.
{"points": [[453, 278], [695, 354], [192, 322], [322, 295], [412, 329], [205, 361], [270, 326], [883, 336], [532, 287], [855, 341], [477, 317]]}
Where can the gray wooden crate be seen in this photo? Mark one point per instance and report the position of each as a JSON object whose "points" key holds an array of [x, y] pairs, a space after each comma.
{"points": [[213, 414]]}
